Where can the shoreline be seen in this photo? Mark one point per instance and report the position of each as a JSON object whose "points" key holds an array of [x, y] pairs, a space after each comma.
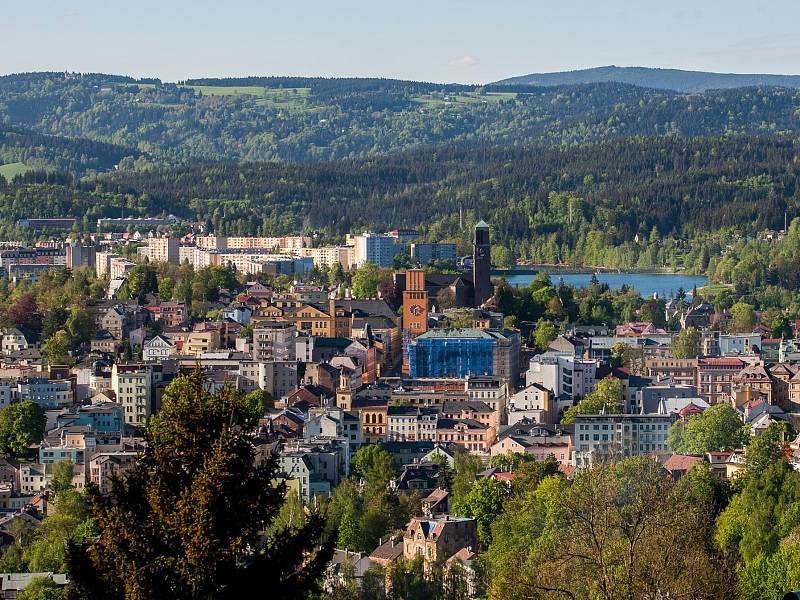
{"points": [[533, 269]]}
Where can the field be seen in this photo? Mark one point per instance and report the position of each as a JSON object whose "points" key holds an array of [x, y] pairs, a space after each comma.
{"points": [[438, 99], [10, 170]]}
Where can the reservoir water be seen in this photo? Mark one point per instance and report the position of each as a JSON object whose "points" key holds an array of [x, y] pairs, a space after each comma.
{"points": [[663, 284]]}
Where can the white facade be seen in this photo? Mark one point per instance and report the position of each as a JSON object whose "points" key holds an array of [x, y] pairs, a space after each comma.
{"points": [[602, 438], [411, 424], [376, 248], [564, 375], [157, 349]]}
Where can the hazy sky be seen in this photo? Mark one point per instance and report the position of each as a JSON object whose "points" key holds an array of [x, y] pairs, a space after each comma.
{"points": [[436, 40]]}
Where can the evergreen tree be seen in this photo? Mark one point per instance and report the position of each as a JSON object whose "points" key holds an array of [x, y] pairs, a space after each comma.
{"points": [[188, 519]]}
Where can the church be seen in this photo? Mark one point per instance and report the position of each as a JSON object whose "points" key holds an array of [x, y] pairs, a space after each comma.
{"points": [[460, 290]]}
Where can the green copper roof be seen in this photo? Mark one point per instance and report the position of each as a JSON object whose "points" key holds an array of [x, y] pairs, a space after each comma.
{"points": [[482, 225]]}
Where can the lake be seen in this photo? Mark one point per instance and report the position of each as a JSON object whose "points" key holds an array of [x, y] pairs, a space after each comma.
{"points": [[663, 284]]}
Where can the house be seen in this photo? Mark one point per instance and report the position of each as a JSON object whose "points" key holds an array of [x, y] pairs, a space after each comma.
{"points": [[115, 321], [9, 473], [296, 465], [638, 329], [422, 478], [158, 348], [387, 552], [533, 402], [437, 539], [678, 465], [539, 441], [406, 452], [343, 566], [436, 503], [760, 415], [13, 340], [239, 313], [103, 466], [34, 477], [464, 559], [698, 317], [103, 341], [13, 584], [756, 379]]}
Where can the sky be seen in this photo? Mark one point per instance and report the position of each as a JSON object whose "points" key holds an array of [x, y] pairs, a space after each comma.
{"points": [[436, 40]]}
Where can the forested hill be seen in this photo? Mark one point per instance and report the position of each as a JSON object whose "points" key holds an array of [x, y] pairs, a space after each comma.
{"points": [[37, 151], [589, 203], [666, 79], [315, 119]]}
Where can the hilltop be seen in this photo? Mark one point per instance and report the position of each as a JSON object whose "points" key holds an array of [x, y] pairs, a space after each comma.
{"points": [[662, 79]]}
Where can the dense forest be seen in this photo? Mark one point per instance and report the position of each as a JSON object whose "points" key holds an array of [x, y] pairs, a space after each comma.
{"points": [[39, 151], [638, 202], [317, 119], [596, 174]]}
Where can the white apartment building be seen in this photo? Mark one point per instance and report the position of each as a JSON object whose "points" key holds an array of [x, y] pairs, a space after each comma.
{"points": [[376, 248], [102, 262], [569, 378], [605, 438], [134, 385], [330, 256], [163, 249], [411, 424]]}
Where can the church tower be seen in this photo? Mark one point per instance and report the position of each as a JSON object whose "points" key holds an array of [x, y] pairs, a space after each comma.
{"points": [[415, 310], [481, 264]]}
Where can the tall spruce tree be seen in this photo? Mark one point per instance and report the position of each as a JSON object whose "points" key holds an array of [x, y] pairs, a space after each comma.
{"points": [[188, 520]]}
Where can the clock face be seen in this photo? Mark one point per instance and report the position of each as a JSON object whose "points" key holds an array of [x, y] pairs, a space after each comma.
{"points": [[415, 310], [481, 252]]}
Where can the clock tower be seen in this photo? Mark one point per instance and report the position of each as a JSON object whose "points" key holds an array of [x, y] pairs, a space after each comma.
{"points": [[415, 310], [481, 264]]}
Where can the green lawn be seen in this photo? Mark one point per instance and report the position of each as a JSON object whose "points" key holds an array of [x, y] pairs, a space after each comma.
{"points": [[288, 98], [439, 99], [10, 170]]}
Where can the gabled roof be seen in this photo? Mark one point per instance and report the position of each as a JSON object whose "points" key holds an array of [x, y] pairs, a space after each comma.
{"points": [[680, 462]]}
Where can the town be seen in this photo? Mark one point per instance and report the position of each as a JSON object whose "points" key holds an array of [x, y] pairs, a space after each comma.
{"points": [[414, 383]]}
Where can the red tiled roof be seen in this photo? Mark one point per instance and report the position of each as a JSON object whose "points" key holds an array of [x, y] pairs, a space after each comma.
{"points": [[680, 462], [722, 362], [567, 470]]}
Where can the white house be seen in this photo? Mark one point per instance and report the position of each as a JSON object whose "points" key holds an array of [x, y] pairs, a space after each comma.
{"points": [[158, 348]]}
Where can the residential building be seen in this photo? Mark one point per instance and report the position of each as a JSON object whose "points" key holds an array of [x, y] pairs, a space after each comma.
{"points": [[376, 248], [534, 402], [330, 256], [567, 377], [437, 539], [158, 349], [680, 371], [411, 424], [714, 377], [163, 249], [274, 340], [463, 352], [135, 387], [47, 393], [103, 466], [427, 253], [473, 436], [607, 437]]}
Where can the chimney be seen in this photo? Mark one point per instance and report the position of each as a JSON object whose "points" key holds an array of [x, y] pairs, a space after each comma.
{"points": [[392, 541]]}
